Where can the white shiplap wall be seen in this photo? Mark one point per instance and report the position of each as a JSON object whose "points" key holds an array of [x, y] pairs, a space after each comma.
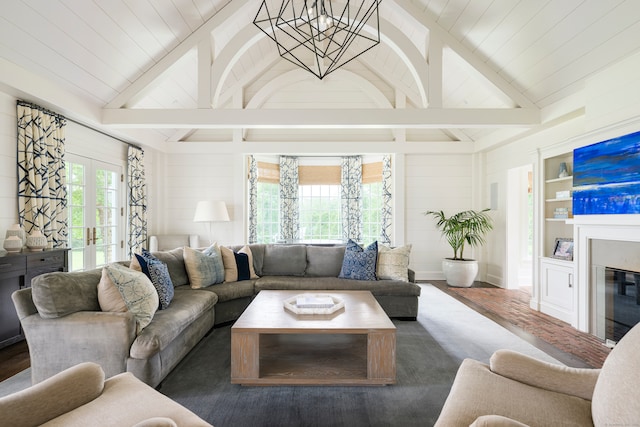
{"points": [[8, 172], [433, 182], [184, 179]]}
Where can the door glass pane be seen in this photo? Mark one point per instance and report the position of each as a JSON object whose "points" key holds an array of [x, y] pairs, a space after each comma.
{"points": [[76, 187], [106, 217]]}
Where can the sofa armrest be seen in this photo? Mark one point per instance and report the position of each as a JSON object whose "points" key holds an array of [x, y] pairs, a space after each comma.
{"points": [[23, 302], [537, 373], [85, 336], [42, 402]]}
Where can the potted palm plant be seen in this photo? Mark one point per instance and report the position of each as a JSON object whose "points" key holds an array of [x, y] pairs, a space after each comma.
{"points": [[466, 228]]}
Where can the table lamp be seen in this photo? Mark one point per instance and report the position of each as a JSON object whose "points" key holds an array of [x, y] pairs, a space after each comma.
{"points": [[211, 211]]}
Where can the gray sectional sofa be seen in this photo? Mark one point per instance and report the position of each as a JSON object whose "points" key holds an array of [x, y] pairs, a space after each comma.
{"points": [[64, 325]]}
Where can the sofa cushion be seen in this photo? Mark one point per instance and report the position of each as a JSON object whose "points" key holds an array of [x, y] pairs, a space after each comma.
{"points": [[359, 263], [393, 263], [158, 272], [284, 260], [204, 268], [324, 261], [60, 293], [228, 291], [138, 293], [187, 305]]}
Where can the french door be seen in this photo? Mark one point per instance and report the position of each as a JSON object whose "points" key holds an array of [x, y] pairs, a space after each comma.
{"points": [[96, 212]]}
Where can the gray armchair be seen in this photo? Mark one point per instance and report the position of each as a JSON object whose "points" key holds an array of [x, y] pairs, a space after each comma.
{"points": [[166, 242]]}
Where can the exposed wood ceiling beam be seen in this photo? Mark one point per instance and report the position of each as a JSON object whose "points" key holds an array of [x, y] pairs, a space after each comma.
{"points": [[321, 118], [412, 12]]}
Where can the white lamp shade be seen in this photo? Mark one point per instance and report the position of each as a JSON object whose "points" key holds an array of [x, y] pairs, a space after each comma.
{"points": [[211, 211]]}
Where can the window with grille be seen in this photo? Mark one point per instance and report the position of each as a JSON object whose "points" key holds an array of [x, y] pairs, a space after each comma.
{"points": [[320, 213]]}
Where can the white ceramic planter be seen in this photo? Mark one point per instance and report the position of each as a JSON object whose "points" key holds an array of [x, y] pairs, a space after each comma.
{"points": [[460, 273]]}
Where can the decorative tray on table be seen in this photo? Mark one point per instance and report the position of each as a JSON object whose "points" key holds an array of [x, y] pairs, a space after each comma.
{"points": [[313, 304]]}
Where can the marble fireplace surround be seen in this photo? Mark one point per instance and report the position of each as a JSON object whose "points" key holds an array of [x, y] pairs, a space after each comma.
{"points": [[610, 229]]}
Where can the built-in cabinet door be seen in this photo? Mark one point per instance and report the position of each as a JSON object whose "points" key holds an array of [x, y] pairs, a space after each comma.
{"points": [[96, 213], [556, 290]]}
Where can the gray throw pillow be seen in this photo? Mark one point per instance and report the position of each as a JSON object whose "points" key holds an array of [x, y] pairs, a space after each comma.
{"points": [[324, 261], [284, 260]]}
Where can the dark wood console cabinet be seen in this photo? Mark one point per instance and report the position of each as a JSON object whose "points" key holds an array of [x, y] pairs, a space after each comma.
{"points": [[16, 272]]}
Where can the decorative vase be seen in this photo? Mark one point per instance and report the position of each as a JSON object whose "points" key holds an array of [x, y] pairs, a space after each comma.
{"points": [[16, 230], [13, 244], [563, 171], [36, 241]]}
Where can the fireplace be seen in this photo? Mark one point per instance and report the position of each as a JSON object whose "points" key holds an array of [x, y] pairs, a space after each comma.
{"points": [[616, 303], [607, 266]]}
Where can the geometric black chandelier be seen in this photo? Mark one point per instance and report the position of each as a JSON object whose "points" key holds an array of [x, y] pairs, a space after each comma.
{"points": [[321, 35]]}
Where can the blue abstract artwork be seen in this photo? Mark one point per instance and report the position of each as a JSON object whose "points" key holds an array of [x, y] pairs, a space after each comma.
{"points": [[606, 177]]}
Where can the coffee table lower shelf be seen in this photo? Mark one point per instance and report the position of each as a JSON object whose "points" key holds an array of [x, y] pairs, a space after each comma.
{"points": [[313, 359]]}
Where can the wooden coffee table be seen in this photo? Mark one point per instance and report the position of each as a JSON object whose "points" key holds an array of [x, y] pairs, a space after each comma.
{"points": [[353, 346]]}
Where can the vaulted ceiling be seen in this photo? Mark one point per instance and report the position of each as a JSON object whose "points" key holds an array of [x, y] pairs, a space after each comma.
{"points": [[199, 71]]}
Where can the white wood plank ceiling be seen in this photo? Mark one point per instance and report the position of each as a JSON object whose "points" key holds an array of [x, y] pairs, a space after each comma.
{"points": [[138, 58]]}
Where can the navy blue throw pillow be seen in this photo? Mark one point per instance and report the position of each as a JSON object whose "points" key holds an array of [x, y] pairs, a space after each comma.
{"points": [[359, 263], [242, 262], [158, 273]]}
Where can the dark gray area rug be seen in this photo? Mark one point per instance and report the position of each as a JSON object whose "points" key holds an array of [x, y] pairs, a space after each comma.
{"points": [[429, 352]]}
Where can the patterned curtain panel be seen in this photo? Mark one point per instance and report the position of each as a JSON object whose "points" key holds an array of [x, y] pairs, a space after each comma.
{"points": [[387, 213], [351, 196], [253, 200], [42, 179], [137, 195], [289, 211]]}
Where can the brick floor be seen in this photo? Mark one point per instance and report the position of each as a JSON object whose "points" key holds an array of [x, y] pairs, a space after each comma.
{"points": [[513, 307]]}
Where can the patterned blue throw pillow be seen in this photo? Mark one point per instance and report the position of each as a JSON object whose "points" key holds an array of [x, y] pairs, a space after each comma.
{"points": [[158, 273], [359, 263]]}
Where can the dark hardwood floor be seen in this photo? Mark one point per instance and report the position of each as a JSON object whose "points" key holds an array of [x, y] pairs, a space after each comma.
{"points": [[13, 359]]}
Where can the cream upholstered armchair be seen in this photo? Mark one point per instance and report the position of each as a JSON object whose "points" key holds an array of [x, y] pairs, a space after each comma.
{"points": [[166, 242], [517, 390], [80, 396]]}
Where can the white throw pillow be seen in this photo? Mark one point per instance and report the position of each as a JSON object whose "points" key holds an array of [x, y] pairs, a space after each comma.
{"points": [[135, 288], [393, 264]]}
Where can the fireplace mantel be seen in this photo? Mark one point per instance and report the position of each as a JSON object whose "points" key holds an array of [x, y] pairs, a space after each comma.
{"points": [[587, 227]]}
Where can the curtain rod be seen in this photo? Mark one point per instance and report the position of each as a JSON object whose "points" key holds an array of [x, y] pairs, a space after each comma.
{"points": [[53, 113]]}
